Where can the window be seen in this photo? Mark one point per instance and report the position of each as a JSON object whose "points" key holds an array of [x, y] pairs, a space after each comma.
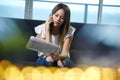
{"points": [[41, 11], [92, 14], [111, 11], [78, 9], [77, 12], [111, 2], [111, 15], [12, 8], [76, 1], [82, 11]]}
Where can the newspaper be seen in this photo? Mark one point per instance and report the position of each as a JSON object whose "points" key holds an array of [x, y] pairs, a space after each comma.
{"points": [[41, 45]]}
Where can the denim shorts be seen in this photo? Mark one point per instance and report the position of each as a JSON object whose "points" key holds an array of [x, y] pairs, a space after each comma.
{"points": [[41, 61]]}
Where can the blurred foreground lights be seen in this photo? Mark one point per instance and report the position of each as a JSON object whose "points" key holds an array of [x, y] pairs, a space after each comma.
{"points": [[1, 72], [27, 72], [92, 73], [46, 73], [11, 37], [118, 74], [73, 74], [60, 73], [13, 73], [9, 71], [53, 69], [5, 63], [108, 74], [36, 75]]}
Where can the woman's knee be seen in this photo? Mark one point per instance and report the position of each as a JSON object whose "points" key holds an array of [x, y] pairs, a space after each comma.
{"points": [[68, 62], [49, 59], [39, 62], [60, 63]]}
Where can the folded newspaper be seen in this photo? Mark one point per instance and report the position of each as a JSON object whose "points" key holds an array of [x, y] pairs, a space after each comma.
{"points": [[41, 45]]}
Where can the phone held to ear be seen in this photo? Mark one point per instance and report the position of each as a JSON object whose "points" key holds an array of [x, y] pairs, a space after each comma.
{"points": [[51, 24]]}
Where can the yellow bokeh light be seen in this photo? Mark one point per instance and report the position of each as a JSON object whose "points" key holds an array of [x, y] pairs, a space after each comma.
{"points": [[36, 75], [108, 74], [46, 73], [118, 74], [27, 72], [13, 73], [5, 63], [83, 76], [60, 73], [53, 69], [1, 72], [9, 71], [73, 74], [92, 73]]}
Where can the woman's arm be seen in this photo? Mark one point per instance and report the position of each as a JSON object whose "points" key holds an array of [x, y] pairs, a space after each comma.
{"points": [[66, 46], [39, 36], [65, 49], [47, 36], [47, 28]]}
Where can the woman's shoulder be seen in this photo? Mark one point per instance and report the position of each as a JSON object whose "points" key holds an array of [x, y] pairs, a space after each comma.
{"points": [[72, 29], [40, 25], [40, 28], [70, 32]]}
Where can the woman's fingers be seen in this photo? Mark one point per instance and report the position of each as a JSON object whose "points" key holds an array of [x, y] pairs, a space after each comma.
{"points": [[56, 57], [50, 19], [47, 23]]}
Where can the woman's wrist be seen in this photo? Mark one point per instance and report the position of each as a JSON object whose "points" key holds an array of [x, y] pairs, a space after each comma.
{"points": [[48, 36], [47, 32], [62, 57]]}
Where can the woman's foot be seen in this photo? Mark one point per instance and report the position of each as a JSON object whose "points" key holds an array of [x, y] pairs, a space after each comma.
{"points": [[60, 63]]}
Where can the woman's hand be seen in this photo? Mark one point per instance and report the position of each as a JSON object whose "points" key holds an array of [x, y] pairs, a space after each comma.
{"points": [[47, 27], [47, 23], [47, 54], [56, 56]]}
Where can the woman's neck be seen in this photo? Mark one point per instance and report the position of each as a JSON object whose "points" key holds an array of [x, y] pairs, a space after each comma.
{"points": [[55, 31]]}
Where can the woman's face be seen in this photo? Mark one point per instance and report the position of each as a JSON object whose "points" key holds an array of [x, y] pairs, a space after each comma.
{"points": [[58, 18]]}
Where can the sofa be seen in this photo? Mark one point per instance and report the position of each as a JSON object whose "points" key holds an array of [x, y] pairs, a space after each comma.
{"points": [[93, 44]]}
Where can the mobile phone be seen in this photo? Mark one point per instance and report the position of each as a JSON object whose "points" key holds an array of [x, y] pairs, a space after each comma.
{"points": [[51, 24]]}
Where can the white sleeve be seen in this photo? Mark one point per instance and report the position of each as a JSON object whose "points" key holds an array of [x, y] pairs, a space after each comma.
{"points": [[40, 29], [70, 32]]}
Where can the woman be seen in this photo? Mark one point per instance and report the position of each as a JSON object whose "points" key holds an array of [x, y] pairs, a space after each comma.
{"points": [[59, 33]]}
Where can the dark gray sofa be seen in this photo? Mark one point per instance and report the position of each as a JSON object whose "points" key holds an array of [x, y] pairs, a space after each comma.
{"points": [[88, 47]]}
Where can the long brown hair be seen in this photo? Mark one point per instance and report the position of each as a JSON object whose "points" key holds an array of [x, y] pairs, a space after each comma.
{"points": [[66, 24]]}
